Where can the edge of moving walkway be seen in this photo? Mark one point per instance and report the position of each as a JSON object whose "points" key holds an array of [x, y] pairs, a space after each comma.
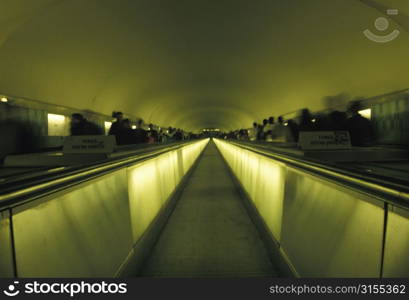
{"points": [[17, 189], [394, 197], [333, 221]]}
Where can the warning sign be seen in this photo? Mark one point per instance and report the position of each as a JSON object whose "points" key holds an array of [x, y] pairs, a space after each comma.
{"points": [[324, 140], [89, 144]]}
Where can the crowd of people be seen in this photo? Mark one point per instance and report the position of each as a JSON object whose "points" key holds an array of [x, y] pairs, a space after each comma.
{"points": [[361, 129], [81, 126], [125, 134], [270, 130]]}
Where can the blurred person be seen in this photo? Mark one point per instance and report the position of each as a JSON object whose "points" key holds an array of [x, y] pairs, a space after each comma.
{"points": [[259, 132], [253, 132], [322, 122], [243, 135], [125, 134], [306, 123], [140, 134], [152, 134], [18, 137], [338, 121], [264, 130], [360, 129], [77, 124], [178, 135], [117, 125], [269, 129], [282, 132], [163, 138], [81, 126], [294, 129], [171, 132]]}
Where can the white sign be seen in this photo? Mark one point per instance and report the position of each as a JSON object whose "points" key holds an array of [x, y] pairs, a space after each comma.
{"points": [[324, 140], [89, 144]]}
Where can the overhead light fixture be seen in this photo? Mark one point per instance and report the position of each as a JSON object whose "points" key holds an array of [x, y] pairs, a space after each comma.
{"points": [[133, 126], [54, 118], [107, 126], [57, 125], [366, 113], [4, 100]]}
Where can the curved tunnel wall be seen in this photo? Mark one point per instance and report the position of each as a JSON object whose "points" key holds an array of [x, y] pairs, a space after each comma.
{"points": [[163, 59]]}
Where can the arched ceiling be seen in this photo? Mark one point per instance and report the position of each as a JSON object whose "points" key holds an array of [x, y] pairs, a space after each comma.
{"points": [[199, 63]]}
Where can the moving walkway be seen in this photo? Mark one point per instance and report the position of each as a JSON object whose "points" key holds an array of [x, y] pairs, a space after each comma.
{"points": [[200, 209]]}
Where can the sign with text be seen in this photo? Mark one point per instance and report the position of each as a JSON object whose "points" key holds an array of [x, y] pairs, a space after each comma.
{"points": [[324, 140], [89, 144]]}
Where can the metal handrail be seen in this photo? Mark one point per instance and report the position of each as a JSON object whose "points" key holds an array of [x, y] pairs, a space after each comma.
{"points": [[338, 174], [37, 173], [36, 190]]}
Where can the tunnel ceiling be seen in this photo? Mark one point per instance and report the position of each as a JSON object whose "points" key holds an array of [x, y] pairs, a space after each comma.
{"points": [[198, 63]]}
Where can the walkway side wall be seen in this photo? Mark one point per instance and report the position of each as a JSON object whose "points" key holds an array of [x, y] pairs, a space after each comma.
{"points": [[322, 229], [88, 230]]}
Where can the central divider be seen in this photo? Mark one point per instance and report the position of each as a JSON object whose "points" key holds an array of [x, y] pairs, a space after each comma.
{"points": [[95, 228]]}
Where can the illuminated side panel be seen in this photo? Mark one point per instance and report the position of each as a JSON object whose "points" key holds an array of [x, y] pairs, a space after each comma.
{"points": [[269, 193], [89, 230], [6, 265], [169, 172], [82, 231], [144, 197], [190, 154], [324, 229], [396, 262], [328, 230], [152, 182], [149, 185], [262, 179]]}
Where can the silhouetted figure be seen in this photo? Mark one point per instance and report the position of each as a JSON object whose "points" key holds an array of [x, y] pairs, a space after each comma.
{"points": [[178, 136], [117, 126], [243, 135], [140, 134], [264, 130], [81, 126], [18, 137], [125, 135], [360, 129], [153, 136], [294, 129], [163, 138], [337, 121], [253, 132], [322, 122], [170, 133], [282, 132], [306, 123], [260, 134]]}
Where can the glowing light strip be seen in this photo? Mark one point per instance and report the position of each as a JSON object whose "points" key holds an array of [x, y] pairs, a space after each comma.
{"points": [[371, 186], [37, 188]]}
